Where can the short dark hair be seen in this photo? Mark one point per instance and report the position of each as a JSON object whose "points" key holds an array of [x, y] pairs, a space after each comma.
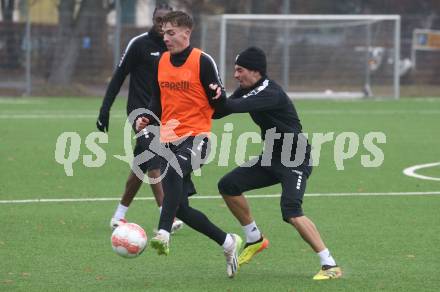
{"points": [[178, 18], [162, 6]]}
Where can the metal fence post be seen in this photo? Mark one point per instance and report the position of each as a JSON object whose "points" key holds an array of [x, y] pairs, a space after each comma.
{"points": [[28, 47], [117, 44]]}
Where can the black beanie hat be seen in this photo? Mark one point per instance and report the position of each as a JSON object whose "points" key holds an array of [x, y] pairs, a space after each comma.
{"points": [[252, 58]]}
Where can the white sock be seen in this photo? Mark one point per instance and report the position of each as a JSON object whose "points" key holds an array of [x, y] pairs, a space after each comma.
{"points": [[229, 242], [164, 233], [160, 210], [252, 232], [120, 212], [326, 258]]}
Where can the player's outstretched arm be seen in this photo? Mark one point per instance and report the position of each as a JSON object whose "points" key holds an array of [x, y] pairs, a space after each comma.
{"points": [[127, 64]]}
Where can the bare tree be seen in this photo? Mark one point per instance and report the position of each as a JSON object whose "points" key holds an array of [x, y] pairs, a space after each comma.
{"points": [[12, 55], [7, 9], [77, 18]]}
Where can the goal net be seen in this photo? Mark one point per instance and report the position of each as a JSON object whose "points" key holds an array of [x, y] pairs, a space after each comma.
{"points": [[322, 56]]}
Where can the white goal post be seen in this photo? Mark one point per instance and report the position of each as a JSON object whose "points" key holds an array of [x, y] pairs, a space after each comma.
{"points": [[313, 56]]}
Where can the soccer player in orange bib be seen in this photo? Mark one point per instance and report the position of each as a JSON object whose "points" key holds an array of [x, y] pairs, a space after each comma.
{"points": [[182, 100], [138, 61]]}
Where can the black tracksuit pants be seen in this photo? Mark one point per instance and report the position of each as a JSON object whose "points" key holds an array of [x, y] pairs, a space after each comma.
{"points": [[176, 169]]}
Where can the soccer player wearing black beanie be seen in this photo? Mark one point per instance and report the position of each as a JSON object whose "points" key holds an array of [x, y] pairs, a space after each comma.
{"points": [[272, 110], [252, 58]]}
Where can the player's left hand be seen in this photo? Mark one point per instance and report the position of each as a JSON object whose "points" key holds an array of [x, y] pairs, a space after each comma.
{"points": [[141, 123], [103, 121], [217, 89]]}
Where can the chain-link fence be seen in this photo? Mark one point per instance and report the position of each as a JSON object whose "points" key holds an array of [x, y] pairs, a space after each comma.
{"points": [[63, 48], [53, 47]]}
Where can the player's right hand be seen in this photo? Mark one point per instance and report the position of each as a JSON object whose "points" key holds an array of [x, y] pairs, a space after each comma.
{"points": [[141, 123], [217, 90], [103, 121]]}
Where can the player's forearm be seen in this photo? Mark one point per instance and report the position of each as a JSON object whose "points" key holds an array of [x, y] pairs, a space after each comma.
{"points": [[112, 90], [210, 75], [218, 115], [155, 112], [263, 101], [155, 106]]}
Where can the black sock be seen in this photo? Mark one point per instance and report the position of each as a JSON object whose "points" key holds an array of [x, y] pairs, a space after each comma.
{"points": [[326, 267], [250, 243]]}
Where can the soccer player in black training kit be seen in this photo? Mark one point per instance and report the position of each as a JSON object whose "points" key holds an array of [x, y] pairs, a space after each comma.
{"points": [[181, 93], [138, 61], [272, 110]]}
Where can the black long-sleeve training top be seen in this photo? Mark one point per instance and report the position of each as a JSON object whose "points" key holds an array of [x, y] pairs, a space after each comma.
{"points": [[139, 60], [269, 107]]}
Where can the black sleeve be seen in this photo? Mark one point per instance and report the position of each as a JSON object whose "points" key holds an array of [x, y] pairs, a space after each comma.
{"points": [[126, 65], [155, 105], [209, 74], [259, 99], [223, 111]]}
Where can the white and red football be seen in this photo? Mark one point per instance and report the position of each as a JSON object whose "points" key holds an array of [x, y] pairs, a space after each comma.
{"points": [[129, 240]]}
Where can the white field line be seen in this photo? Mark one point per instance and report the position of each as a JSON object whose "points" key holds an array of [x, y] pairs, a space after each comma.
{"points": [[88, 114], [21, 101], [55, 116], [411, 171], [372, 112], [57, 111], [201, 197]]}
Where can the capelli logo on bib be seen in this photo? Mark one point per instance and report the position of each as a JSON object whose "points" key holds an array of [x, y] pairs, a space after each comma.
{"points": [[182, 85]]}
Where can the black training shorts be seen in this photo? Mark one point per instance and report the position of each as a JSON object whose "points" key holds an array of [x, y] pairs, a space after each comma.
{"points": [[142, 144], [252, 175]]}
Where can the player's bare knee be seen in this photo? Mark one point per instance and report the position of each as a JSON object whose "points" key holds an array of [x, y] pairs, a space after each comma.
{"points": [[295, 221], [132, 181], [154, 173]]}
